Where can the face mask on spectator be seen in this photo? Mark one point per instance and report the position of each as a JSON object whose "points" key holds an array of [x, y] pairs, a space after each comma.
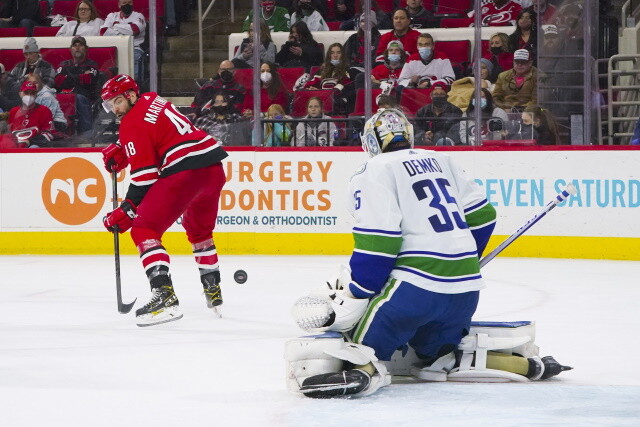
{"points": [[306, 6], [496, 50], [483, 102], [425, 52], [439, 101], [335, 62], [265, 76], [126, 9], [226, 76], [394, 57], [220, 109], [28, 100]]}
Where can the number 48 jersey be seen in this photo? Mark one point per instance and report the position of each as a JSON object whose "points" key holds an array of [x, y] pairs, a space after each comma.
{"points": [[419, 219], [160, 141]]}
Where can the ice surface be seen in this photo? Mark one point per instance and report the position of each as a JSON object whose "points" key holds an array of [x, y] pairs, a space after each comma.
{"points": [[67, 358]]}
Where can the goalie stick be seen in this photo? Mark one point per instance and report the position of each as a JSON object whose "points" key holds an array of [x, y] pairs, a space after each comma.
{"points": [[122, 307], [560, 197]]}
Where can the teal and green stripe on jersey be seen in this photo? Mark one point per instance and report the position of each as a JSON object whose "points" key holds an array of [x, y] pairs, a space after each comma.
{"points": [[374, 305], [449, 267], [480, 216]]}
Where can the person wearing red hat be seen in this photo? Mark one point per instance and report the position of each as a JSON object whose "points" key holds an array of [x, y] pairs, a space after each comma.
{"points": [[176, 172], [31, 123]]}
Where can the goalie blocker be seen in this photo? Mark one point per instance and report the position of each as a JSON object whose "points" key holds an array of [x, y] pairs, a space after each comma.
{"points": [[326, 365]]}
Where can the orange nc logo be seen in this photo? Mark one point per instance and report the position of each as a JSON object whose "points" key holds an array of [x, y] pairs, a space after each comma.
{"points": [[73, 191]]}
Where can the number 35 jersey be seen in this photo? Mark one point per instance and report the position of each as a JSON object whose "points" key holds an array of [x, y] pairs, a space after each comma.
{"points": [[160, 141], [419, 219]]}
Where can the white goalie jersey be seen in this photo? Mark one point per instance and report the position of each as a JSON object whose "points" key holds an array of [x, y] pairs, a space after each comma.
{"points": [[420, 219]]}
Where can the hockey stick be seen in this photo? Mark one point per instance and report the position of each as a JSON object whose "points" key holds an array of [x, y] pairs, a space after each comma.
{"points": [[122, 307], [560, 197]]}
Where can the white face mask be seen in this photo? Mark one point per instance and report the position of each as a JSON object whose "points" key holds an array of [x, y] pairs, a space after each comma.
{"points": [[265, 76], [335, 62], [28, 100]]}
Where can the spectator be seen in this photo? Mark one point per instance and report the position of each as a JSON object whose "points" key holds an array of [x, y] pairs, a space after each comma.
{"points": [[382, 19], [33, 63], [500, 56], [354, 47], [127, 22], [305, 11], [276, 134], [86, 22], [539, 124], [516, 88], [546, 12], [419, 16], [388, 73], [526, 34], [444, 130], [301, 50], [401, 31], [46, 97], [80, 76], [463, 89], [426, 67], [5, 103], [275, 16], [496, 13], [31, 123], [272, 90], [223, 82], [21, 13], [493, 120], [317, 133], [221, 120], [267, 49], [334, 74], [345, 10]]}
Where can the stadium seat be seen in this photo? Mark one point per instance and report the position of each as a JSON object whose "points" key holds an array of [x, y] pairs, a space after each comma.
{"points": [[10, 57], [334, 25], [412, 99], [289, 76], [358, 110], [13, 32], [106, 57], [458, 51], [65, 8], [452, 8], [105, 7], [456, 22], [68, 106], [486, 48], [314, 70], [244, 76], [44, 9], [301, 97], [45, 31]]}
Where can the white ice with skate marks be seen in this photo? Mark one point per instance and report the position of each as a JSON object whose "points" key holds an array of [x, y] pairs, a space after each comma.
{"points": [[67, 358]]}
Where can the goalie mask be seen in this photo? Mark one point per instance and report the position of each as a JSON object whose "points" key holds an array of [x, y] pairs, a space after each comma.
{"points": [[385, 128]]}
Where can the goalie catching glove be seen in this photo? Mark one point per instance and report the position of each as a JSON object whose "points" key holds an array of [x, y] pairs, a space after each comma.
{"points": [[332, 308], [121, 219]]}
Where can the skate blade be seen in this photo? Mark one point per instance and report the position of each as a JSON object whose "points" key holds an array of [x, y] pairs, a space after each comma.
{"points": [[167, 315], [217, 311]]}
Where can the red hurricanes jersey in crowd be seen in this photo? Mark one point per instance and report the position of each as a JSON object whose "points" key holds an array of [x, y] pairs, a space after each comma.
{"points": [[493, 16], [160, 141], [38, 118]]}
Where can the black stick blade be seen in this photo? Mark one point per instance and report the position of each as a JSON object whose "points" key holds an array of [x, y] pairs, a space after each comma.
{"points": [[125, 308]]}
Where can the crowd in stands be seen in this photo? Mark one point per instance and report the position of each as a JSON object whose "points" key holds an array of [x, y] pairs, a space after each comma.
{"points": [[305, 92]]}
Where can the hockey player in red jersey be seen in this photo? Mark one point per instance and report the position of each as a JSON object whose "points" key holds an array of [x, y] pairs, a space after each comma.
{"points": [[175, 170]]}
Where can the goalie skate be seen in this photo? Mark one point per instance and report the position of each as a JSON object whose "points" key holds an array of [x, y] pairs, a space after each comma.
{"points": [[162, 308], [336, 384]]}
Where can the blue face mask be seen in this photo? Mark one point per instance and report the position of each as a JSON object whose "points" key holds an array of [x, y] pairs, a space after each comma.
{"points": [[335, 62], [394, 57], [425, 52], [483, 102]]}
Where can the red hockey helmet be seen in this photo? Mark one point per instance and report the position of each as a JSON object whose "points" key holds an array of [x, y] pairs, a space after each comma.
{"points": [[115, 86]]}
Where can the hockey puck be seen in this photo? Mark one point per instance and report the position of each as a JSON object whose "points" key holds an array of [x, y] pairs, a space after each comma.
{"points": [[240, 276]]}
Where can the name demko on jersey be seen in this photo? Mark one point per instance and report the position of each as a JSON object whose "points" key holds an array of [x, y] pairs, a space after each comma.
{"points": [[414, 215]]}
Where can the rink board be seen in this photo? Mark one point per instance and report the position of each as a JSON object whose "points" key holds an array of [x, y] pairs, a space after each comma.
{"points": [[294, 202]]}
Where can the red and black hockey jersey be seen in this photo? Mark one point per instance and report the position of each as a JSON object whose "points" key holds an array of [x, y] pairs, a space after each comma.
{"points": [[160, 141], [33, 125]]}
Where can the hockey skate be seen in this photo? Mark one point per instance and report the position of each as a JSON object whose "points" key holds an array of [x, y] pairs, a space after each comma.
{"points": [[336, 384], [212, 292], [547, 367], [163, 307]]}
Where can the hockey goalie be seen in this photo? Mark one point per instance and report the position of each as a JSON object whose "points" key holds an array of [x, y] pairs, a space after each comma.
{"points": [[404, 304]]}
